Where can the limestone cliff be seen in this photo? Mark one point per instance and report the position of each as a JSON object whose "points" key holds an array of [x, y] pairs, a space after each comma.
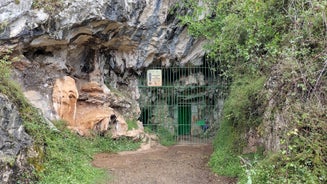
{"points": [[76, 56]]}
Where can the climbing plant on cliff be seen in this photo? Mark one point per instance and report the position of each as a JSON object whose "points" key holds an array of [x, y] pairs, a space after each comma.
{"points": [[285, 41]]}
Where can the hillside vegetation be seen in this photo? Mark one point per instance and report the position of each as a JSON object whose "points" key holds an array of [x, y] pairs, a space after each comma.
{"points": [[274, 52]]}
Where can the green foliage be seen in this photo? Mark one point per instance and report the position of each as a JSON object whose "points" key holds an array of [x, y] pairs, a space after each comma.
{"points": [[132, 124], [223, 161], [303, 157], [68, 157], [61, 125], [240, 32], [243, 108], [285, 40], [7, 86], [65, 157], [5, 63], [166, 138], [241, 112]]}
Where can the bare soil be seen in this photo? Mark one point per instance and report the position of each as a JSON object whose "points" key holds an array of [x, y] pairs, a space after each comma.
{"points": [[180, 164]]}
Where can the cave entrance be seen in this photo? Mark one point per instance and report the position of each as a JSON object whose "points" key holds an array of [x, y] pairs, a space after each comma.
{"points": [[181, 104]]}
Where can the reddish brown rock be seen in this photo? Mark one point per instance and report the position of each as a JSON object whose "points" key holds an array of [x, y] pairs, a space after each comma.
{"points": [[64, 98], [21, 64], [92, 87], [99, 119], [94, 93], [88, 111]]}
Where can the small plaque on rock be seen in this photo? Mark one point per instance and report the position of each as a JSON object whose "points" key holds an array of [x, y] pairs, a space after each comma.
{"points": [[154, 77]]}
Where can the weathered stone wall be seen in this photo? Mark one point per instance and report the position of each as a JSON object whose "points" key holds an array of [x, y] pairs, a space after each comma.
{"points": [[15, 145], [107, 43]]}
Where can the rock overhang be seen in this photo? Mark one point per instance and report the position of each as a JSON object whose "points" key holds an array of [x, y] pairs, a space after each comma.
{"points": [[107, 42]]}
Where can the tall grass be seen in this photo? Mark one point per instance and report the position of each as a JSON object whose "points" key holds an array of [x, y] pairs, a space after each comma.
{"points": [[240, 114]]}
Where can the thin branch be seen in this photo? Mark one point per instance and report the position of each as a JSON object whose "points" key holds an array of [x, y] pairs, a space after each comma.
{"points": [[318, 80]]}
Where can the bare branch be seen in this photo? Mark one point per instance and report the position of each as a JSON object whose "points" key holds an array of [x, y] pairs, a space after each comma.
{"points": [[318, 80]]}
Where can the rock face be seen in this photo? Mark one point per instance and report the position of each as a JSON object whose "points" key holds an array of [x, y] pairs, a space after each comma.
{"points": [[64, 98], [100, 45], [15, 144], [91, 112]]}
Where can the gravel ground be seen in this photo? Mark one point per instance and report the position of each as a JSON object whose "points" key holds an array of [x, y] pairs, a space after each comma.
{"points": [[181, 164]]}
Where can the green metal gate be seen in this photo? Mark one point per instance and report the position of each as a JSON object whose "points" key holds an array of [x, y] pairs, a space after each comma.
{"points": [[184, 119], [180, 104]]}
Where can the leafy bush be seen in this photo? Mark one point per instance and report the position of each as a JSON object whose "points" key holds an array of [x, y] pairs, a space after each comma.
{"points": [[244, 106], [242, 34], [286, 41]]}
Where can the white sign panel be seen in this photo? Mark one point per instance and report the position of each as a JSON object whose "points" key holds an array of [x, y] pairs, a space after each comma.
{"points": [[154, 77]]}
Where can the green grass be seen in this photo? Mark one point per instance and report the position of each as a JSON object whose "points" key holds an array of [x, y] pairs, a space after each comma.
{"points": [[68, 157], [165, 137], [239, 115], [65, 157], [132, 124], [223, 160]]}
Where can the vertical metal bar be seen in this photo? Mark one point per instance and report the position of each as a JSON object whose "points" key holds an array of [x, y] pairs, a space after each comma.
{"points": [[207, 87], [187, 114]]}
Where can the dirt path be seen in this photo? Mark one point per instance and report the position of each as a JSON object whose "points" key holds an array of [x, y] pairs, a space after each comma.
{"points": [[182, 164]]}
